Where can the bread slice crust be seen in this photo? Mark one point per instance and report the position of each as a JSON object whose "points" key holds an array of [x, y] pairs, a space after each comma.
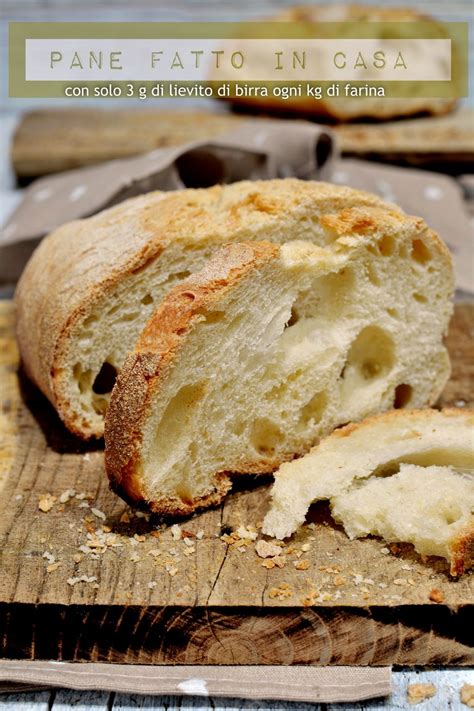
{"points": [[145, 369]]}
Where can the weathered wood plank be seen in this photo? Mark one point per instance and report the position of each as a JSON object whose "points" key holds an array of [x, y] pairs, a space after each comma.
{"points": [[49, 141], [88, 579], [66, 699], [126, 702], [30, 701]]}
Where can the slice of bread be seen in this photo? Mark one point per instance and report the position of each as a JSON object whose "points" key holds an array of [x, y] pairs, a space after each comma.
{"points": [[431, 507], [407, 476], [91, 286], [247, 363]]}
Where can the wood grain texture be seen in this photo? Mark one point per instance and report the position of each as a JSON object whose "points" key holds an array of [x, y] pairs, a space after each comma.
{"points": [[49, 141], [89, 580], [53, 140]]}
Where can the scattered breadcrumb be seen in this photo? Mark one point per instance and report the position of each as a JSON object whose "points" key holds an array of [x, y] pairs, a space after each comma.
{"points": [[54, 566], [200, 534], [330, 569], [46, 502], [416, 693], [176, 532], [134, 557], [100, 514], [305, 547], [154, 552], [49, 557], [171, 569], [152, 584], [265, 549], [384, 551], [436, 595], [311, 597], [340, 580], [81, 579], [301, 564], [125, 518], [277, 562], [466, 694], [18, 497], [400, 581], [282, 592], [66, 495], [247, 532], [77, 558]]}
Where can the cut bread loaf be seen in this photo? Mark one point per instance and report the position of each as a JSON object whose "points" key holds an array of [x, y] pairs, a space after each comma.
{"points": [[91, 286], [407, 476], [247, 363]]}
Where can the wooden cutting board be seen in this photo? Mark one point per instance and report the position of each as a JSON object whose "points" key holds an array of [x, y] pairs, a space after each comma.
{"points": [[83, 578], [49, 141]]}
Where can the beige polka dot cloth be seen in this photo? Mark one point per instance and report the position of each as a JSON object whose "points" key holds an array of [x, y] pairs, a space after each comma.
{"points": [[257, 149]]}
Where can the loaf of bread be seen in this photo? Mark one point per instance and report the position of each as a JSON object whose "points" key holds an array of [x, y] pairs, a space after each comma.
{"points": [[407, 476], [349, 108], [91, 286], [247, 363]]}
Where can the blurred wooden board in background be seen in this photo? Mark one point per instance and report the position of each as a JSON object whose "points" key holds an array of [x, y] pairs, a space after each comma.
{"points": [[84, 578], [49, 141]]}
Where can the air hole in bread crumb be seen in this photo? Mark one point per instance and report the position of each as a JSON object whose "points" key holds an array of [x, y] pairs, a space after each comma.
{"points": [[403, 395], [386, 246], [294, 318], [393, 313], [370, 355], [265, 436], [147, 299], [372, 275], [105, 379], [313, 411], [83, 377], [238, 427], [420, 252], [420, 298], [214, 317]]}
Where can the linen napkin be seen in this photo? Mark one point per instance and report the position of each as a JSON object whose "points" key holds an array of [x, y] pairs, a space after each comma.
{"points": [[289, 683]]}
